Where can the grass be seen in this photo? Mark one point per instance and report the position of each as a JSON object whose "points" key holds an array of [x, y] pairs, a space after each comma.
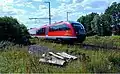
{"points": [[13, 60], [16, 59], [106, 40]]}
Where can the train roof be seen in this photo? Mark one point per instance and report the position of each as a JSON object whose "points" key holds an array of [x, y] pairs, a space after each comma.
{"points": [[56, 23], [74, 22], [66, 22], [53, 24]]}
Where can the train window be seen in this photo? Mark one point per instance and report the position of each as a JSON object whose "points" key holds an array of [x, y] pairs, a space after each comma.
{"points": [[41, 31], [52, 28], [65, 27], [78, 25], [79, 28], [62, 27]]}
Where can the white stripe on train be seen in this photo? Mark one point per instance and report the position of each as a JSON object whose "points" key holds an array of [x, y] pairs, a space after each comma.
{"points": [[54, 37]]}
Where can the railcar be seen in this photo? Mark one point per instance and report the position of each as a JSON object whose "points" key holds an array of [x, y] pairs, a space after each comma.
{"points": [[62, 31]]}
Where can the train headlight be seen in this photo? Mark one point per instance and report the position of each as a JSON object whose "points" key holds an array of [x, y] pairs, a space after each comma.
{"points": [[68, 33]]}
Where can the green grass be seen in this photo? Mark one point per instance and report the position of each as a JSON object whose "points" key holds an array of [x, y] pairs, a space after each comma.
{"points": [[13, 60], [16, 59], [106, 40], [99, 61]]}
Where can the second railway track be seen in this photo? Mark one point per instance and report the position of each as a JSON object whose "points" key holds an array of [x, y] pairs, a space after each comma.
{"points": [[92, 46], [89, 46]]}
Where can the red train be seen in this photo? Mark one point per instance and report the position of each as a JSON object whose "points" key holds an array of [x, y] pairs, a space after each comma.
{"points": [[62, 31]]}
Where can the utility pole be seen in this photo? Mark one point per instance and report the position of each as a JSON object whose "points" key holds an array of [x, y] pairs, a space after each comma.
{"points": [[45, 18], [49, 13], [68, 15]]}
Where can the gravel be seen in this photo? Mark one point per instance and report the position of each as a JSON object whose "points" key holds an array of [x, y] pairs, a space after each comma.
{"points": [[38, 50]]}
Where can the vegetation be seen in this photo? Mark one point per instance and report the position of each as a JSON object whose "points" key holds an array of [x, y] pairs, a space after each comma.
{"points": [[12, 30], [109, 41], [17, 59], [96, 24]]}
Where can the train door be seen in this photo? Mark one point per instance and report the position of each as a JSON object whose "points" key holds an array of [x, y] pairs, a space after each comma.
{"points": [[46, 31]]}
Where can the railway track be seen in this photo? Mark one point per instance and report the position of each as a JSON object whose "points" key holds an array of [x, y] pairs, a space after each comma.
{"points": [[91, 46]]}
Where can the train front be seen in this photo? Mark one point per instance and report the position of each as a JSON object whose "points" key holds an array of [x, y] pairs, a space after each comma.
{"points": [[79, 31]]}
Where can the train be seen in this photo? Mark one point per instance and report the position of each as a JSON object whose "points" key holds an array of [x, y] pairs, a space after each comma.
{"points": [[69, 31]]}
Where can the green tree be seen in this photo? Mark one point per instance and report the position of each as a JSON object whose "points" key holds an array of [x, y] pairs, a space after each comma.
{"points": [[10, 29], [114, 12], [113, 9], [101, 24], [106, 22], [86, 21], [96, 25]]}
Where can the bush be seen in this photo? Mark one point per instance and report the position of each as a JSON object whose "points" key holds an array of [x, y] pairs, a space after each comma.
{"points": [[115, 59], [12, 30]]}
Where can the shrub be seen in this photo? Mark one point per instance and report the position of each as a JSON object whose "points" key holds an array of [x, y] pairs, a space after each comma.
{"points": [[12, 30]]}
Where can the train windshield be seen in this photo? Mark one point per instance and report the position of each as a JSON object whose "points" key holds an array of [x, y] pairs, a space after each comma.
{"points": [[32, 31], [79, 28]]}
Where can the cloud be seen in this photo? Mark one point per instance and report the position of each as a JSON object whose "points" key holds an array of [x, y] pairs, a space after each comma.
{"points": [[38, 0], [77, 1], [25, 9], [65, 1], [79, 8], [98, 4]]}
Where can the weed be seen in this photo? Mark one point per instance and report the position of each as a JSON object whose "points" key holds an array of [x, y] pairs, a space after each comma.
{"points": [[17, 59]]}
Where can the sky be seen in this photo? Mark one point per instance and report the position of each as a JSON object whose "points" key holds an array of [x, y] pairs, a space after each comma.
{"points": [[25, 9]]}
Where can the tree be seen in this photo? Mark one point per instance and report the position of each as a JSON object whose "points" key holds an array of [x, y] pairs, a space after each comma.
{"points": [[96, 25], [106, 21], [11, 30], [101, 24], [86, 21], [114, 12]]}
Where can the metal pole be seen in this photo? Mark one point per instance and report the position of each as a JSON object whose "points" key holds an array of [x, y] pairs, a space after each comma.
{"points": [[67, 16], [49, 13], [45, 18]]}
